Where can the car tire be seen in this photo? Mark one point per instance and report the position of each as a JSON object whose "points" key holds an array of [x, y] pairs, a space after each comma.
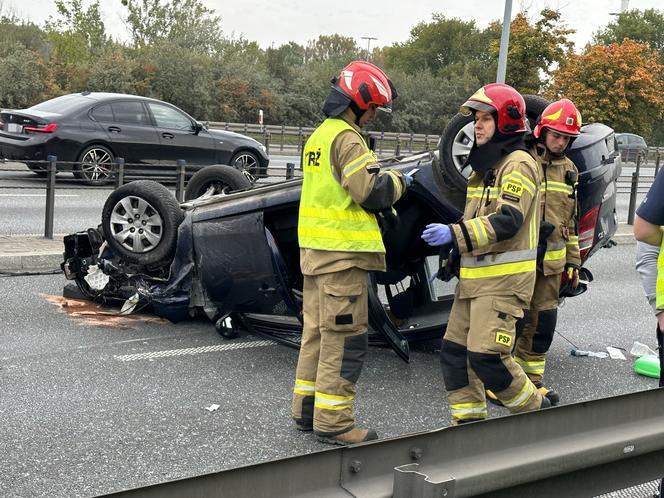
{"points": [[214, 180], [151, 237], [95, 165], [248, 161], [458, 137]]}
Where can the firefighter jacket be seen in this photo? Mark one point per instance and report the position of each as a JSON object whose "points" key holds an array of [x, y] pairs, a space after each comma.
{"points": [[559, 207], [342, 185], [497, 238]]}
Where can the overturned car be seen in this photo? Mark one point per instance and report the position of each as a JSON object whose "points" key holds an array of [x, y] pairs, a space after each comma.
{"points": [[231, 251]]}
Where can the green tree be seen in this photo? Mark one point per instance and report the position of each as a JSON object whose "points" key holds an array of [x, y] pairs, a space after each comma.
{"points": [[336, 48], [284, 61], [86, 23], [642, 26], [15, 32], [185, 23], [24, 78], [113, 71], [444, 46], [534, 49]]}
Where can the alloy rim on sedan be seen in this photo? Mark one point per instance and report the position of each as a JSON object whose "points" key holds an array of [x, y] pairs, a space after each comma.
{"points": [[463, 142], [136, 225], [96, 165], [245, 162]]}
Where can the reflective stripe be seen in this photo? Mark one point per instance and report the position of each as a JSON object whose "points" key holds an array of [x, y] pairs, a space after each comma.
{"points": [[332, 401], [555, 250], [304, 387], [480, 232], [462, 411], [551, 186], [496, 259], [573, 239], [526, 183], [338, 234], [659, 285], [531, 367], [522, 398], [478, 192], [498, 270], [336, 214], [534, 224], [356, 164]]}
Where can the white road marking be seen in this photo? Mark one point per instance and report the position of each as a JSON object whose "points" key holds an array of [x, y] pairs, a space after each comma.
{"points": [[38, 195], [192, 351]]}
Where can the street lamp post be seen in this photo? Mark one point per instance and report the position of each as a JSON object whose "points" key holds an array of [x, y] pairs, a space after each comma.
{"points": [[368, 39], [504, 43]]}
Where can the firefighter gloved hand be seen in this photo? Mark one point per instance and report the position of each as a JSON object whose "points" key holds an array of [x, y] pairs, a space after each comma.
{"points": [[407, 180], [437, 234], [572, 275]]}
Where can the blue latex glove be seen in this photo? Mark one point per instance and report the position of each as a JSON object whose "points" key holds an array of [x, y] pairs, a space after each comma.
{"points": [[408, 180], [437, 234]]}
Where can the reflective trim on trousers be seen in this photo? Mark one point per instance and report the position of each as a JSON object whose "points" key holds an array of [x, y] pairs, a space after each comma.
{"points": [[531, 367], [332, 401], [462, 411], [304, 387], [522, 398]]}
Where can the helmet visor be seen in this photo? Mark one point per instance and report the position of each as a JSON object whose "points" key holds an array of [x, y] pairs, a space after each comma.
{"points": [[473, 105]]}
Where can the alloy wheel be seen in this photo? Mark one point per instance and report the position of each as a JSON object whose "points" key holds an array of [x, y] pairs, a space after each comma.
{"points": [[136, 224], [245, 161], [96, 165], [463, 142]]}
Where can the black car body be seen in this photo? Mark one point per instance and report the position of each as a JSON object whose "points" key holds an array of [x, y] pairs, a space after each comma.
{"points": [[90, 130], [631, 147], [236, 256]]}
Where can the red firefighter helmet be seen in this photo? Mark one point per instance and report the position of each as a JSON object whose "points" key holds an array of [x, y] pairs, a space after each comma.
{"points": [[504, 101], [361, 83], [561, 116]]}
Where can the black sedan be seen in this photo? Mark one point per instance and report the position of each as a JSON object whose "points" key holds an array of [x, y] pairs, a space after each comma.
{"points": [[90, 130], [234, 256]]}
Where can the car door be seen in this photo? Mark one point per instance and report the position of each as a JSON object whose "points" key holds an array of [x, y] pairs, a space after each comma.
{"points": [[129, 131], [178, 137]]}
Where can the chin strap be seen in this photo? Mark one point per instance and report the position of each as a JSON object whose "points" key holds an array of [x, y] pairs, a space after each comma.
{"points": [[357, 111]]}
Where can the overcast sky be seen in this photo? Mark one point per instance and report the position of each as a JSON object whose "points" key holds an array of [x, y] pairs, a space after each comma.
{"points": [[280, 21]]}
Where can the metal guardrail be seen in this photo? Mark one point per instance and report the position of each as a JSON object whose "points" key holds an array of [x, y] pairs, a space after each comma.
{"points": [[579, 450], [637, 183], [293, 138]]}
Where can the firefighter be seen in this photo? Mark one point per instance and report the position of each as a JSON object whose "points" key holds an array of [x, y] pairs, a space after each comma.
{"points": [[343, 192], [559, 254], [497, 243]]}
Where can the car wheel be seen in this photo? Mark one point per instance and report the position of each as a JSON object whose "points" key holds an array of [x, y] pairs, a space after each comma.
{"points": [[246, 161], [214, 180], [140, 222], [458, 138], [95, 165]]}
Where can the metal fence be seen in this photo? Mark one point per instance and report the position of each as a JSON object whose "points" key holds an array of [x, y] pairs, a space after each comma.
{"points": [[640, 180], [292, 138]]}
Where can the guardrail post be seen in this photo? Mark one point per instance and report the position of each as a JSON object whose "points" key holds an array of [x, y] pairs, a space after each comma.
{"points": [[119, 175], [179, 182], [267, 143], [281, 144], [638, 165], [290, 170], [50, 197], [300, 145], [632, 198], [410, 144], [380, 142], [397, 149], [657, 161]]}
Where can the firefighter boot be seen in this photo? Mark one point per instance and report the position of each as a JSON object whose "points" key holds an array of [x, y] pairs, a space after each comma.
{"points": [[353, 436], [304, 425], [491, 398], [550, 394]]}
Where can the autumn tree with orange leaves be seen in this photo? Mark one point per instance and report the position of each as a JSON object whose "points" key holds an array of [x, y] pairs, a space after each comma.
{"points": [[618, 84]]}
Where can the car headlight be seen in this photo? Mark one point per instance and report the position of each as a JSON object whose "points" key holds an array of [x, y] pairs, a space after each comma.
{"points": [[263, 148]]}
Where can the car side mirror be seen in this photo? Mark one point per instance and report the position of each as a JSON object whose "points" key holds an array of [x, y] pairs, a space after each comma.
{"points": [[197, 127]]}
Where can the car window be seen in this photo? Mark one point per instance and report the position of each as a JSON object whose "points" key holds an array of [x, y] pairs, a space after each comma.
{"points": [[103, 113], [633, 140], [130, 113], [640, 141], [65, 103], [622, 140], [167, 117]]}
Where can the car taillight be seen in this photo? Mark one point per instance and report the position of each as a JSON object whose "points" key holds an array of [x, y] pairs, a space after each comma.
{"points": [[587, 225], [49, 128]]}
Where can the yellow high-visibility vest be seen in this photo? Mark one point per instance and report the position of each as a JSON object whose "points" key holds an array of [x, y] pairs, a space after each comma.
{"points": [[329, 219], [659, 288]]}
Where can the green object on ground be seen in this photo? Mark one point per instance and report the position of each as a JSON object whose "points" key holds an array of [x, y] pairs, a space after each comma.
{"points": [[647, 365]]}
